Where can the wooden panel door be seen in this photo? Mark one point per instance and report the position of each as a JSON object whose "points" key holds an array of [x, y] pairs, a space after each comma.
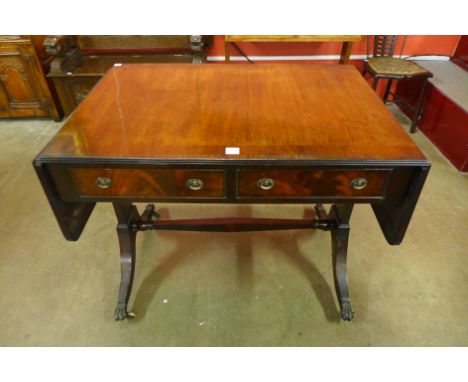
{"points": [[23, 88]]}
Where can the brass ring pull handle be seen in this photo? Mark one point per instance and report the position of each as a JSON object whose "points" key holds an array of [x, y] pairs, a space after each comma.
{"points": [[194, 184], [266, 183], [103, 182], [359, 183]]}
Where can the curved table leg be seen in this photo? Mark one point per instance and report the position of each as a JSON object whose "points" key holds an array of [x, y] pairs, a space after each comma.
{"points": [[126, 213], [341, 214]]}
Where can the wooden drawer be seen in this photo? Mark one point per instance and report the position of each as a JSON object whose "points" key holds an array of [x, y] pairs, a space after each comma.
{"points": [[148, 182], [312, 183]]}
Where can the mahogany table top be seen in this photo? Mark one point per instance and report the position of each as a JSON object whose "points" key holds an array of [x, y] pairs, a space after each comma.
{"points": [[267, 111]]}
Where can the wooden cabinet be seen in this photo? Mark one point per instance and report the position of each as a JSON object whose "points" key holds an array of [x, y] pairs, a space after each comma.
{"points": [[23, 87]]}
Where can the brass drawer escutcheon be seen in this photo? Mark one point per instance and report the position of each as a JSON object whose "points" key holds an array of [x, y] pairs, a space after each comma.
{"points": [[103, 182], [194, 184], [266, 183], [359, 183]]}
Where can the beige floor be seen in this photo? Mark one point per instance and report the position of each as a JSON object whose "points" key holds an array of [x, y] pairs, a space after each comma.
{"points": [[268, 289]]}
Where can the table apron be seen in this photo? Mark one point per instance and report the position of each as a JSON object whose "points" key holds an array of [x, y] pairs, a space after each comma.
{"points": [[267, 184]]}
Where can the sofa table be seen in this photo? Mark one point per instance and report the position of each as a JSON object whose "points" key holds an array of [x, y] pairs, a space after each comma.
{"points": [[232, 134]]}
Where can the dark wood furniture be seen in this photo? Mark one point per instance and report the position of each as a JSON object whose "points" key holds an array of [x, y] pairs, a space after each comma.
{"points": [[383, 65], [23, 87], [232, 134], [82, 60], [347, 41]]}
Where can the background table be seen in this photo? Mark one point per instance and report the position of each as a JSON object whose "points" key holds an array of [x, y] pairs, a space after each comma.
{"points": [[347, 41]]}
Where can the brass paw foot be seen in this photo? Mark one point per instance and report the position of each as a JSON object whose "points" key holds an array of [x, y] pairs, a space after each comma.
{"points": [[121, 312], [346, 312]]}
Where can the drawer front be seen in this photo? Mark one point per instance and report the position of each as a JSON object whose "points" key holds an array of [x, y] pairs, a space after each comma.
{"points": [[148, 182], [312, 183]]}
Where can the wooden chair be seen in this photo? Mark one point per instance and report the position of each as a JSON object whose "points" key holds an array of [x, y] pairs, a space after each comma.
{"points": [[382, 65]]}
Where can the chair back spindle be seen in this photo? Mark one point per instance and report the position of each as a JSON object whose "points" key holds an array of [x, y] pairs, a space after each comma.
{"points": [[384, 46]]}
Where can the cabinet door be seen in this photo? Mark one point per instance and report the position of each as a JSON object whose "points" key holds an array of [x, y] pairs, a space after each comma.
{"points": [[23, 92]]}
